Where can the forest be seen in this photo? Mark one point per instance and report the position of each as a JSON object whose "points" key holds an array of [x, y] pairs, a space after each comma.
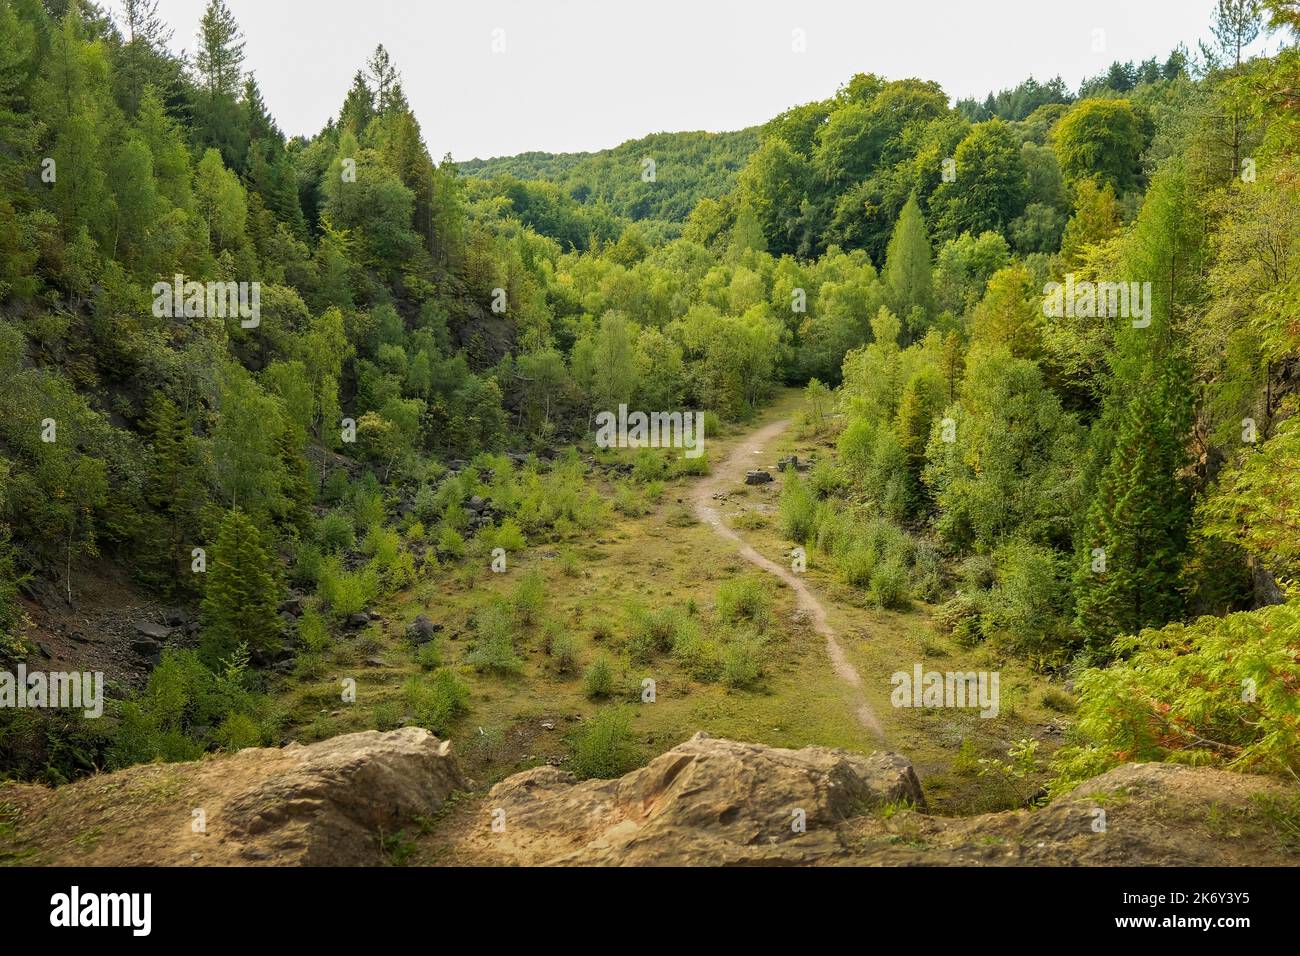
{"points": [[1103, 497]]}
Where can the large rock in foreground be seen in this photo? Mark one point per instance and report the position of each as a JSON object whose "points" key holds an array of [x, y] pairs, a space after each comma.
{"points": [[705, 802], [327, 804]]}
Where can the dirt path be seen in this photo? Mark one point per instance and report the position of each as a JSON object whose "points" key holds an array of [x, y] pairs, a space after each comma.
{"points": [[725, 475]]}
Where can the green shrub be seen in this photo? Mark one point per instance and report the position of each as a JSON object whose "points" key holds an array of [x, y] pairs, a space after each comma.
{"points": [[1218, 692], [698, 657], [307, 563], [344, 592], [683, 466], [313, 632], [655, 632], [744, 599], [798, 510], [649, 465], [335, 532], [507, 535], [563, 648], [436, 701], [889, 585], [450, 542], [598, 681], [428, 656], [742, 664], [494, 646], [529, 598], [602, 747]]}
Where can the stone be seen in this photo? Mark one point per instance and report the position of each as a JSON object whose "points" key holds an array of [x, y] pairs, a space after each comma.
{"points": [[757, 477]]}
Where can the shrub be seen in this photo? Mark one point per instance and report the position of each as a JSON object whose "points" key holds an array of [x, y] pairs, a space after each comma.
{"points": [[529, 599], [697, 466], [438, 700], [888, 588], [494, 648], [1178, 694], [563, 648], [742, 664], [335, 532], [654, 632], [698, 657], [450, 542], [598, 681], [570, 566], [602, 747], [649, 465], [744, 599], [428, 656], [312, 630], [307, 562], [507, 535], [798, 510], [344, 592]]}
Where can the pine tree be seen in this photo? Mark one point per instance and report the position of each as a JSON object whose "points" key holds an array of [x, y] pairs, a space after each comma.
{"points": [[174, 482], [1138, 520], [241, 599], [907, 266]]}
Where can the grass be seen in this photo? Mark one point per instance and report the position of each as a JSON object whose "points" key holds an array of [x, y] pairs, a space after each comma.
{"points": [[688, 580]]}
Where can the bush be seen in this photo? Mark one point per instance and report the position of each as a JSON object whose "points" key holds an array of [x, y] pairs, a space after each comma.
{"points": [[742, 664], [346, 593], [335, 532], [307, 563], [630, 501], [450, 543], [798, 510], [649, 465], [494, 647], [529, 599], [602, 747], [655, 632], [507, 535], [437, 701], [744, 599], [598, 681], [698, 657], [1220, 692], [889, 588], [428, 656], [313, 631], [696, 467], [564, 648]]}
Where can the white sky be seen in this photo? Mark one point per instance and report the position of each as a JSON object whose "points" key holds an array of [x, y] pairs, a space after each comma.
{"points": [[587, 74]]}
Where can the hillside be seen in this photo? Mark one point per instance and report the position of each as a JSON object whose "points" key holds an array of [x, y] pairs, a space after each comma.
{"points": [[688, 167]]}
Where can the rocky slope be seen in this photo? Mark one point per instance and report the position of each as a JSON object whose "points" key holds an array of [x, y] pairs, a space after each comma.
{"points": [[351, 799]]}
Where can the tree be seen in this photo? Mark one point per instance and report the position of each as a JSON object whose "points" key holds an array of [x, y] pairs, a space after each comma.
{"points": [[991, 185], [1100, 139], [907, 265], [1135, 534], [218, 61], [241, 597], [174, 484]]}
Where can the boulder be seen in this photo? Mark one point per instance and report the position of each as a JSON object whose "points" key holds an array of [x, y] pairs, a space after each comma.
{"points": [[706, 801], [155, 632], [757, 477], [360, 619], [421, 630]]}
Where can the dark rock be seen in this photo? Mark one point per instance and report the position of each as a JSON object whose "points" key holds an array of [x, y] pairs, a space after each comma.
{"points": [[757, 477], [421, 630], [292, 606], [176, 616], [360, 619], [155, 631], [476, 504]]}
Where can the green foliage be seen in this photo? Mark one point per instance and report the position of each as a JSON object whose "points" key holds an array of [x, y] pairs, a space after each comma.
{"points": [[1220, 691], [602, 746], [241, 598], [598, 680], [494, 646], [437, 700]]}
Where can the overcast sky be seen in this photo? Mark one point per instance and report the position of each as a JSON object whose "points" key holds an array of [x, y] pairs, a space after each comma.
{"points": [[589, 74]]}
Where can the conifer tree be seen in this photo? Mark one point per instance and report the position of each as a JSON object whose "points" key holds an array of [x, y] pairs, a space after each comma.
{"points": [[907, 266], [239, 605], [1135, 534]]}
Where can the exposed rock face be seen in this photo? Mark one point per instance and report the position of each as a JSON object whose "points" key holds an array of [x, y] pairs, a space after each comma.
{"points": [[323, 804], [705, 802]]}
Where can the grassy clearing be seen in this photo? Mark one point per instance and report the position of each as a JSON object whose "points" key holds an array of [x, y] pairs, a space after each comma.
{"points": [[656, 596]]}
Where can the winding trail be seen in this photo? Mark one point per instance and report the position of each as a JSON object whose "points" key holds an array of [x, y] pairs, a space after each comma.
{"points": [[725, 474]]}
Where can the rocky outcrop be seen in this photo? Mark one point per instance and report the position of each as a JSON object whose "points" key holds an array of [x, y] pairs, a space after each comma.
{"points": [[329, 803], [705, 802]]}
